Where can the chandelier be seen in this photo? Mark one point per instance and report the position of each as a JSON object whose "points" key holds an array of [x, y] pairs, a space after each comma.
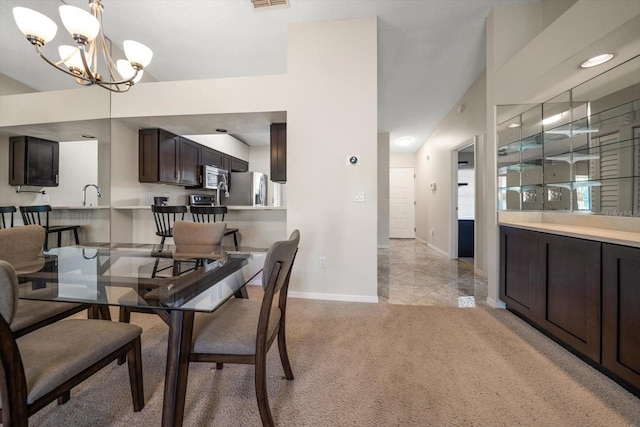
{"points": [[81, 60]]}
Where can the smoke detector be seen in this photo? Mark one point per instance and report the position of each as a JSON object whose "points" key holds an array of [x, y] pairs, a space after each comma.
{"points": [[263, 4]]}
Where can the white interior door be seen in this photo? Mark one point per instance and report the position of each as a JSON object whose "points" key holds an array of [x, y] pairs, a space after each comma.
{"points": [[402, 219]]}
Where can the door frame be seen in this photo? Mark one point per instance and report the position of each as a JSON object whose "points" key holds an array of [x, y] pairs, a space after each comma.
{"points": [[453, 208]]}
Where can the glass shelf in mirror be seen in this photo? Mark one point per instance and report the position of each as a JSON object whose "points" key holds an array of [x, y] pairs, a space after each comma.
{"points": [[579, 151]]}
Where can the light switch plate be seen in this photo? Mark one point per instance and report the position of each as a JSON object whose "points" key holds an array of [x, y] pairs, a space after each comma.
{"points": [[359, 197]]}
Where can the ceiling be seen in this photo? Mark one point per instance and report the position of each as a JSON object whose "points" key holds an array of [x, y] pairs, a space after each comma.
{"points": [[429, 51]]}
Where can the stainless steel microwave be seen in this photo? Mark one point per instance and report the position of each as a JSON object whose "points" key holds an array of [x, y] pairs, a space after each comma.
{"points": [[213, 176]]}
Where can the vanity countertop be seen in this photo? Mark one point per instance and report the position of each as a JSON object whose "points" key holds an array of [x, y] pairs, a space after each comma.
{"points": [[619, 237]]}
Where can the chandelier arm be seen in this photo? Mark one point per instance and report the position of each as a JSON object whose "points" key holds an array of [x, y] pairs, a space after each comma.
{"points": [[89, 74], [108, 85], [53, 64]]}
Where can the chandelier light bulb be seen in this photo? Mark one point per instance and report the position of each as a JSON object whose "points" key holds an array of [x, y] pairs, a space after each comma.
{"points": [[127, 71], [35, 25], [71, 57], [79, 22], [137, 53]]}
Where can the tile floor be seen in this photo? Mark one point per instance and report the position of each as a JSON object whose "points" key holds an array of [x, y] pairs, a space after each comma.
{"points": [[411, 273]]}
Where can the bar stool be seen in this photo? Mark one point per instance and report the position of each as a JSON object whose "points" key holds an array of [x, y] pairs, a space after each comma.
{"points": [[164, 217], [31, 215], [210, 214], [7, 222]]}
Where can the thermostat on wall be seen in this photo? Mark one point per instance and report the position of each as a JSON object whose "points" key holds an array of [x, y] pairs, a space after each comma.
{"points": [[353, 160]]}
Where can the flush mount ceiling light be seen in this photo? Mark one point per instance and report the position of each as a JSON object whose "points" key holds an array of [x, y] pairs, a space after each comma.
{"points": [[513, 125], [597, 60], [81, 60], [404, 141]]}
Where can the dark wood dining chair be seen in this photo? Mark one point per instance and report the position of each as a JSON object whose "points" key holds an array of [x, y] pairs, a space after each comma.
{"points": [[211, 214], [165, 217], [6, 216], [39, 214], [242, 330], [22, 248], [46, 364]]}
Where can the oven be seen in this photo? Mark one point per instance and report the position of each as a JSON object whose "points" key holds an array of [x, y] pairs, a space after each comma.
{"points": [[202, 200]]}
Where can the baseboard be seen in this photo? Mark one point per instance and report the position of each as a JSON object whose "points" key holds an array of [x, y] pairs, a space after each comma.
{"points": [[333, 297], [495, 303], [437, 249]]}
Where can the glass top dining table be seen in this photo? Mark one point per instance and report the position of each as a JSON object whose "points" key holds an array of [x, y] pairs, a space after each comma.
{"points": [[140, 276]]}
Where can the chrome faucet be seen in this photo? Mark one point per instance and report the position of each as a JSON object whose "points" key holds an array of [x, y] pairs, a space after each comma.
{"points": [[84, 193], [222, 183]]}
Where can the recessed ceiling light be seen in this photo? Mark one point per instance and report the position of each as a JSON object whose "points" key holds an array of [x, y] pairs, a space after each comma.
{"points": [[404, 141], [513, 125], [597, 60]]}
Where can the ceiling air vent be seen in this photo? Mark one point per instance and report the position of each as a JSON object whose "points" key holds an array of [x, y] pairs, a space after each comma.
{"points": [[262, 4]]}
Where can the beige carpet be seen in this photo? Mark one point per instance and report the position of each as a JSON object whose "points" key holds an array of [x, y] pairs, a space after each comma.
{"points": [[374, 365]]}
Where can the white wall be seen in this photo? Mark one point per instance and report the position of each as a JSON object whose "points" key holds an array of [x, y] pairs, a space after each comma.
{"points": [[332, 114], [383, 189], [397, 160], [224, 143], [74, 174], [434, 208]]}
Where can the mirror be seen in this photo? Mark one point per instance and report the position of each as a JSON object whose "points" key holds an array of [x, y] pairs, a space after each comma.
{"points": [[84, 158], [579, 151]]}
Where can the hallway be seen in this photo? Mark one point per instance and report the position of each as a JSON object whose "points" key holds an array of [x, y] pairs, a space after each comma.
{"points": [[410, 273]]}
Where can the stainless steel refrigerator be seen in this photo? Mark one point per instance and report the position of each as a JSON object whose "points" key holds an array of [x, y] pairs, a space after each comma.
{"points": [[247, 189]]}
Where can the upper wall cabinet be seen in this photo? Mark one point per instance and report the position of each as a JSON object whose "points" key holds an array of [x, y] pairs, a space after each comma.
{"points": [[171, 159], [33, 161], [579, 151], [279, 152], [167, 158]]}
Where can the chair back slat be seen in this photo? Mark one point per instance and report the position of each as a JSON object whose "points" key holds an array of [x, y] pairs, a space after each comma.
{"points": [[208, 213], [31, 215], [165, 217], [7, 221]]}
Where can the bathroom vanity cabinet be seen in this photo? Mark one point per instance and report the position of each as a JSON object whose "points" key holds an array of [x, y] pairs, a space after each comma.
{"points": [[584, 293]]}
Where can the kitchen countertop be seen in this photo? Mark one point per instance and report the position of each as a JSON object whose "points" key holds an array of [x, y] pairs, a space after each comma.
{"points": [[78, 207], [230, 208], [626, 238]]}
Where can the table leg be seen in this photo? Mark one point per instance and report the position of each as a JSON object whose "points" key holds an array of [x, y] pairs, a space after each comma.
{"points": [[178, 353]]}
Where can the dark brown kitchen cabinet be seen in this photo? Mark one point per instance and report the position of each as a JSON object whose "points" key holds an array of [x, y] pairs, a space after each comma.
{"points": [[167, 158], [279, 152], [211, 157], [33, 161], [569, 291], [238, 165], [189, 162], [621, 312]]}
